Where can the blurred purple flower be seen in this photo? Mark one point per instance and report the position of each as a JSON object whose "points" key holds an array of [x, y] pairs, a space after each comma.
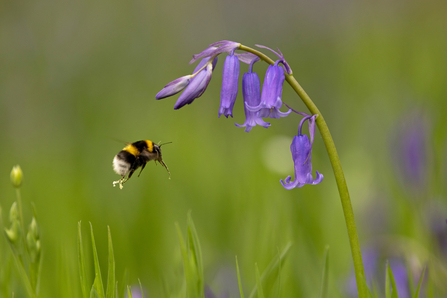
{"points": [[224, 284], [230, 81], [410, 149], [136, 292], [251, 92], [435, 218], [271, 94], [209, 294], [400, 274], [374, 260], [302, 154]]}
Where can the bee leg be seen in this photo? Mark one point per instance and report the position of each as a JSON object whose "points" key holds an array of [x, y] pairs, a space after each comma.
{"points": [[130, 175], [142, 167], [119, 182]]}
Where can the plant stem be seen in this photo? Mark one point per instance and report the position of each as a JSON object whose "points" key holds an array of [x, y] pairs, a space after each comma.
{"points": [[338, 172]]}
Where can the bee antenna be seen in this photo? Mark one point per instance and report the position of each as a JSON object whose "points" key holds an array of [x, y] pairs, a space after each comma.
{"points": [[164, 143]]}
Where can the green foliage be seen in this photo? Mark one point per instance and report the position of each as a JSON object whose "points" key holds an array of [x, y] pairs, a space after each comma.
{"points": [[97, 289], [272, 267], [239, 281], [81, 261], [390, 284], [192, 260], [24, 243]]}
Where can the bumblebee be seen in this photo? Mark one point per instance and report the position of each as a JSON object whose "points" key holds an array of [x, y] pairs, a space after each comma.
{"points": [[136, 155]]}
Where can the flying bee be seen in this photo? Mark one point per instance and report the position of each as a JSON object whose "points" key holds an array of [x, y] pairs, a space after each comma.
{"points": [[136, 155]]}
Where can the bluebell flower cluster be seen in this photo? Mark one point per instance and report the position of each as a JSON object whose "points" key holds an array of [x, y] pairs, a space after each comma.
{"points": [[258, 103]]}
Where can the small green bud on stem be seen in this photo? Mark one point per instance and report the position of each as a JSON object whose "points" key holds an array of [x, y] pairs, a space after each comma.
{"points": [[16, 176]]}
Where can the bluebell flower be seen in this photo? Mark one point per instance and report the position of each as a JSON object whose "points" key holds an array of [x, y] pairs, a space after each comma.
{"points": [[251, 92], [174, 87], [302, 154], [230, 81], [410, 147], [271, 93], [200, 78]]}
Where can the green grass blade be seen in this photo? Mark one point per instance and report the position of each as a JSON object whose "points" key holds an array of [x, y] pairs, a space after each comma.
{"points": [[141, 288], [129, 292], [239, 279], [111, 279], [416, 294], [274, 264], [93, 293], [187, 266], [325, 281], [258, 282], [121, 288], [387, 282], [81, 260], [194, 246], [390, 292], [97, 284]]}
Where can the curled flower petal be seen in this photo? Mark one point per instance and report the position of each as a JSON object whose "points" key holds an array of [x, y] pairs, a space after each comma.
{"points": [[204, 54], [287, 67], [174, 87], [230, 80], [217, 48], [251, 92]]}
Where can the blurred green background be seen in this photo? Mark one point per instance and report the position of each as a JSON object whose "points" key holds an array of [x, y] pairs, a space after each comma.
{"points": [[78, 79]]}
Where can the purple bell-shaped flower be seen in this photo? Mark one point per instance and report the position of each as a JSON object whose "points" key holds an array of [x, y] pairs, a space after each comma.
{"points": [[302, 154], [271, 93], [251, 92], [230, 81]]}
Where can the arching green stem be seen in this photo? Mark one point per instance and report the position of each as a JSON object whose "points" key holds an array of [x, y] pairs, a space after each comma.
{"points": [[338, 172]]}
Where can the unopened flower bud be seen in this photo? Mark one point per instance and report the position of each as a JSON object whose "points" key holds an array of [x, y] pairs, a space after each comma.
{"points": [[16, 176], [13, 233], [14, 213], [34, 228]]}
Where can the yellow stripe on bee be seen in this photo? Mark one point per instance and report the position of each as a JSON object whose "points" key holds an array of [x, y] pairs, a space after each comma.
{"points": [[150, 146], [132, 150]]}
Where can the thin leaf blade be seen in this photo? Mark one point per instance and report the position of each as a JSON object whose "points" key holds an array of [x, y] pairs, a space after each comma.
{"points": [[271, 267], [416, 294], [98, 285], [239, 279], [258, 282], [81, 260], [111, 279]]}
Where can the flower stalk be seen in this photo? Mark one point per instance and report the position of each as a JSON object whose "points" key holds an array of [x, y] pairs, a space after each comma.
{"points": [[338, 172]]}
